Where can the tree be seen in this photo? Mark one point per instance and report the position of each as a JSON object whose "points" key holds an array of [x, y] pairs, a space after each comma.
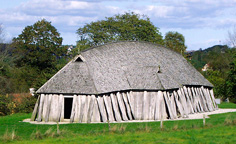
{"points": [[39, 45], [175, 41], [231, 81], [39, 53], [129, 26]]}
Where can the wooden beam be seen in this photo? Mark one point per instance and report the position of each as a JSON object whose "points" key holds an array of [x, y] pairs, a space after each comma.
{"points": [[115, 108], [82, 111], [62, 108], [179, 105], [33, 116], [86, 107], [173, 105], [40, 108], [102, 108], [60, 105], [139, 106], [152, 107], [213, 97], [167, 102], [188, 101], [131, 102], [121, 106], [90, 110], [73, 109], [96, 114], [182, 101], [45, 105], [127, 106], [146, 106]]}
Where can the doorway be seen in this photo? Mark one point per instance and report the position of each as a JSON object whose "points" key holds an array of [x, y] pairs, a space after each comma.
{"points": [[67, 107]]}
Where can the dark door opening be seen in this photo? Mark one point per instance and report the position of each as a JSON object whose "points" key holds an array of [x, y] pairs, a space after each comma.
{"points": [[67, 107]]}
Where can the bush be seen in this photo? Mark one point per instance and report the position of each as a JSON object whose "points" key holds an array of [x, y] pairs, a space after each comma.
{"points": [[16, 103]]}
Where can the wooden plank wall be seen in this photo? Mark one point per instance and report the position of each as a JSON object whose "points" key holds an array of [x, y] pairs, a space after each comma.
{"points": [[127, 106]]}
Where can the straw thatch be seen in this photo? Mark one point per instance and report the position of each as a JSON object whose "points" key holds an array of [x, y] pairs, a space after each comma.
{"points": [[126, 81]]}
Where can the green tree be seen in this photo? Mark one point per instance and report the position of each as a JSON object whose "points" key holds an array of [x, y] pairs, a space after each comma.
{"points": [[40, 55], [128, 26], [231, 81], [175, 41], [39, 45], [216, 78]]}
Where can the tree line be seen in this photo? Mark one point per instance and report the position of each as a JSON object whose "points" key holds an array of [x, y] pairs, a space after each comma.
{"points": [[37, 53]]}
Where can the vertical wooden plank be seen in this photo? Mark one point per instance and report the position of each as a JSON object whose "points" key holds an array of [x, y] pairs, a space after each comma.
{"points": [[205, 98], [60, 103], [52, 109], [213, 97], [157, 106], [86, 107], [127, 106], [152, 105], [202, 98], [33, 116], [159, 111], [102, 109], [73, 109], [195, 100], [179, 105], [44, 110], [48, 108], [188, 101], [198, 101], [83, 100], [96, 114], [108, 106], [146, 105], [55, 112], [90, 110], [62, 108], [139, 99], [208, 99], [173, 105], [191, 99], [77, 114], [163, 107], [121, 106], [131, 102], [167, 102], [40, 108], [135, 97], [182, 101], [115, 108]]}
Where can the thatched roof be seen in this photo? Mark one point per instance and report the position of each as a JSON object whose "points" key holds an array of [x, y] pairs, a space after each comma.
{"points": [[124, 66]]}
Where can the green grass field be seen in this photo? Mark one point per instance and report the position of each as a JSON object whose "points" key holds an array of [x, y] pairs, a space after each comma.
{"points": [[220, 128]]}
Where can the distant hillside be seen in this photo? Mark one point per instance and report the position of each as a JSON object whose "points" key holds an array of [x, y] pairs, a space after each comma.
{"points": [[200, 57]]}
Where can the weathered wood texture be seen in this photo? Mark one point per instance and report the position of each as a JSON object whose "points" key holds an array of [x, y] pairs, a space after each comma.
{"points": [[127, 106]]}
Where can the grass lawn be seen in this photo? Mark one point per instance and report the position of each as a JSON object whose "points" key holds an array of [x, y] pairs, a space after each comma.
{"points": [[220, 128]]}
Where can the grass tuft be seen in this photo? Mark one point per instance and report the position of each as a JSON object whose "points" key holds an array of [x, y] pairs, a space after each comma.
{"points": [[175, 127], [10, 136], [37, 135], [228, 121]]}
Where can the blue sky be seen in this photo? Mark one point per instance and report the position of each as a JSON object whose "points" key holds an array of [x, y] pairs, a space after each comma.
{"points": [[203, 23]]}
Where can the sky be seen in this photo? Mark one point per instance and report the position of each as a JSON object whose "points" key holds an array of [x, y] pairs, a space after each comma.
{"points": [[203, 23]]}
